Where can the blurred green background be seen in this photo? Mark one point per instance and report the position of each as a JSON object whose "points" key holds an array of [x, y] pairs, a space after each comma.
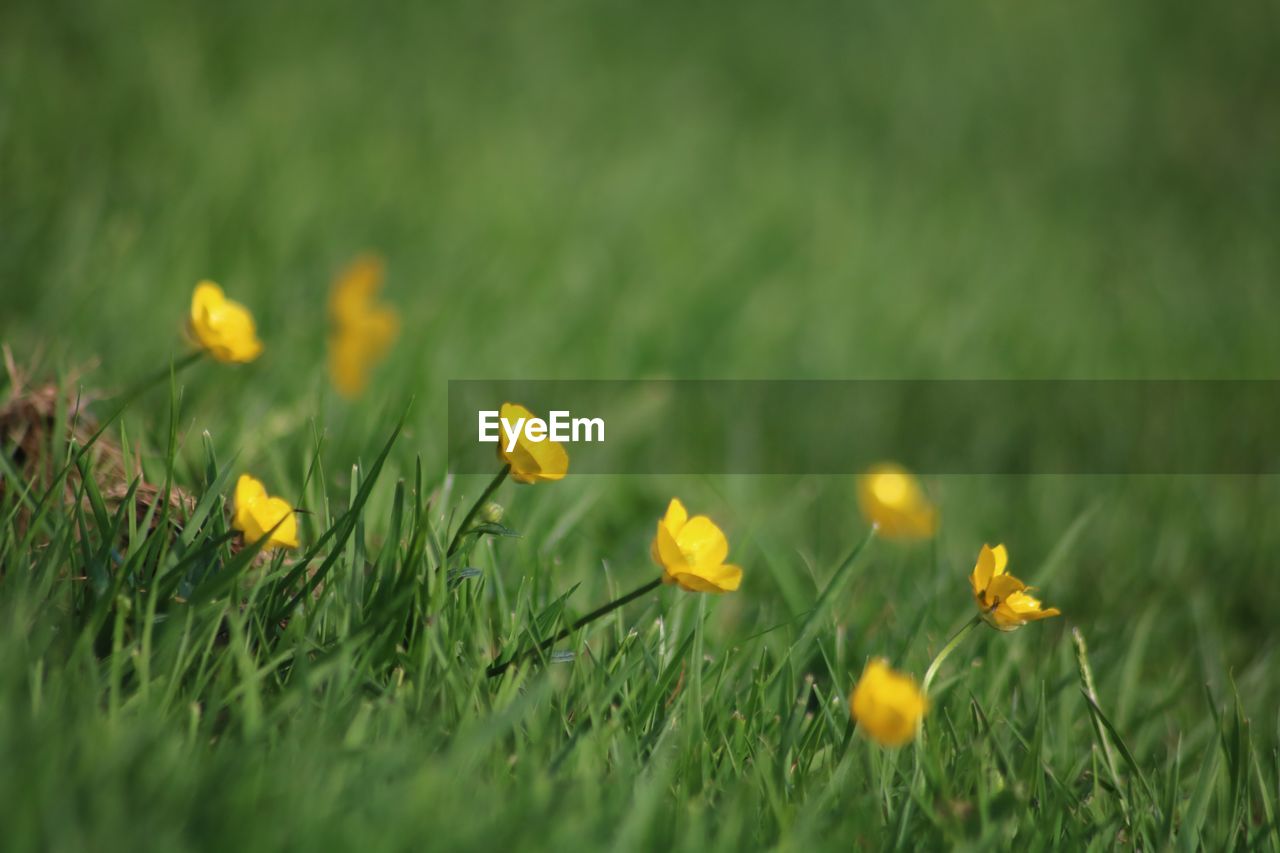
{"points": [[618, 190], [991, 189]]}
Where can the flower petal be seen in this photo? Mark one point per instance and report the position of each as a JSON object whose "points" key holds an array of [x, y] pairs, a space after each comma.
{"points": [[530, 461], [355, 288], [1002, 587], [248, 492], [670, 557], [702, 542], [271, 512], [223, 327], [550, 456], [721, 578], [892, 499], [676, 516], [513, 412], [887, 705], [1001, 556], [983, 570]]}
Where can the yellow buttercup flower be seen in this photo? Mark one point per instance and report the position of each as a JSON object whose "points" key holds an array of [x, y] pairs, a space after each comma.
{"points": [[691, 552], [256, 513], [363, 331], [223, 327], [1004, 601], [893, 500], [356, 287], [531, 461], [887, 705]]}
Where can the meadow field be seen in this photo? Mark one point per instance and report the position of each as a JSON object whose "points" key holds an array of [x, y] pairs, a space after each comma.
{"points": [[621, 191]]}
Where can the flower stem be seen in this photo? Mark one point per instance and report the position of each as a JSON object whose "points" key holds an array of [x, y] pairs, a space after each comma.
{"points": [[605, 610], [132, 393], [947, 650], [471, 513], [175, 367]]}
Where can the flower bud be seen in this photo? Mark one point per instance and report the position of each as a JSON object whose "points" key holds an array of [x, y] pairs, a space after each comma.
{"points": [[491, 513]]}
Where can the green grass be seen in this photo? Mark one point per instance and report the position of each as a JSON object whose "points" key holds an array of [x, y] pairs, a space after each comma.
{"points": [[617, 191]]}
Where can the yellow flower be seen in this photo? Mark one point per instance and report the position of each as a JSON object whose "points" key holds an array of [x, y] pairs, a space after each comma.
{"points": [[1004, 601], [256, 513], [691, 552], [222, 327], [362, 330], [887, 705], [531, 461], [355, 288], [892, 499]]}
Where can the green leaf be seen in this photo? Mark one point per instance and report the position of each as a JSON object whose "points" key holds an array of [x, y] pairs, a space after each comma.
{"points": [[1124, 750]]}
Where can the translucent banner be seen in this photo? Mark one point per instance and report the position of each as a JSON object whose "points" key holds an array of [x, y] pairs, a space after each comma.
{"points": [[842, 426]]}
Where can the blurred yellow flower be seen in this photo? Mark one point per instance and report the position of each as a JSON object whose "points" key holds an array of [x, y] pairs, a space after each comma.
{"points": [[893, 500], [256, 513], [362, 331], [887, 705], [531, 461], [222, 327], [1004, 601], [691, 552]]}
